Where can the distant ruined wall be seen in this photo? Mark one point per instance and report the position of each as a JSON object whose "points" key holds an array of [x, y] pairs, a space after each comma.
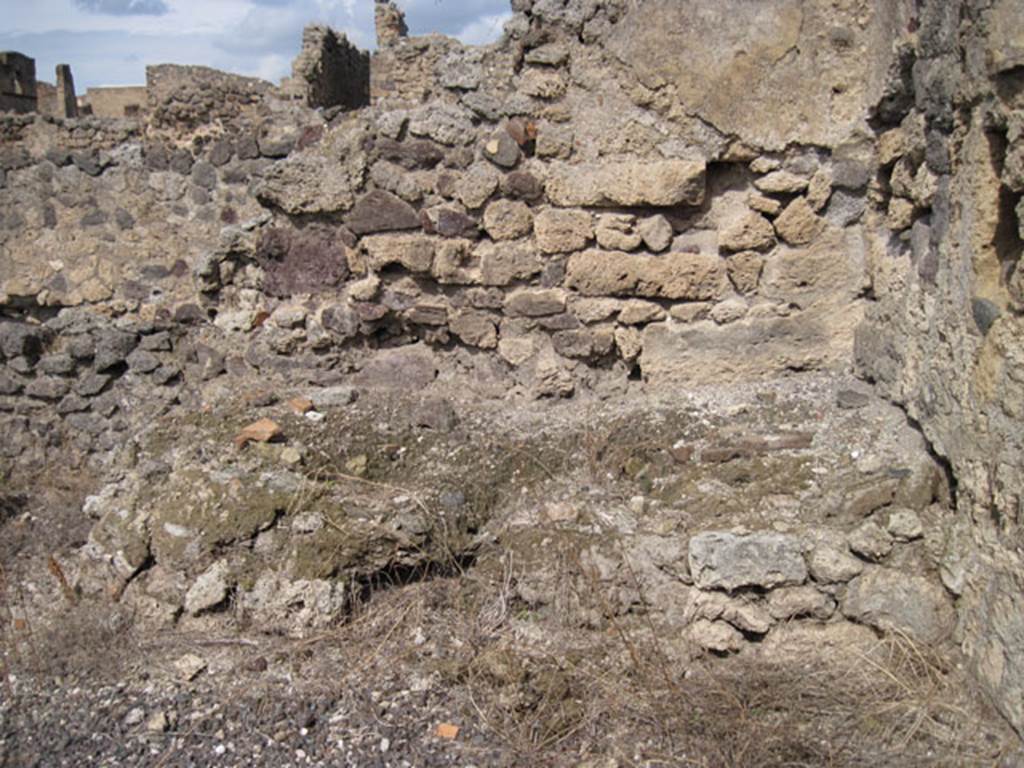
{"points": [[548, 201], [17, 83], [188, 96], [116, 101], [57, 100], [46, 98], [67, 101], [330, 71]]}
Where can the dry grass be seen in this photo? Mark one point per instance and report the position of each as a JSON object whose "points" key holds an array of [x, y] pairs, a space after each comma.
{"points": [[621, 693], [556, 688]]}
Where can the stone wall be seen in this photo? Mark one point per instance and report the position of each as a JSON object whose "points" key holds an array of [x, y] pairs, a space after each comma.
{"points": [[17, 83], [574, 229], [46, 98], [185, 97], [330, 71], [115, 101], [943, 337], [67, 102], [576, 208], [57, 100]]}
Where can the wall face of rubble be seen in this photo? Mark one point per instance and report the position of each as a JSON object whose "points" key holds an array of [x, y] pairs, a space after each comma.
{"points": [[944, 335], [533, 200], [577, 206], [330, 71], [17, 83], [186, 97], [115, 101]]}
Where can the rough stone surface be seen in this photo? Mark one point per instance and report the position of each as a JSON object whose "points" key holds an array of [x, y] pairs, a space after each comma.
{"points": [[381, 211], [749, 232], [871, 541], [794, 602], [560, 231], [665, 183], [815, 185], [798, 224], [715, 636], [670, 276], [728, 561], [507, 219], [733, 81], [656, 232], [900, 602], [829, 565], [209, 590]]}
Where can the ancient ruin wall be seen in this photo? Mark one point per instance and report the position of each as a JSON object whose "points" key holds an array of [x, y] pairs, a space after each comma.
{"points": [[944, 335], [330, 71], [115, 101], [17, 83], [555, 215], [186, 97]]}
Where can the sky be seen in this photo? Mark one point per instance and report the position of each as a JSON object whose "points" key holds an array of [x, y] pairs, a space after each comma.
{"points": [[110, 42]]}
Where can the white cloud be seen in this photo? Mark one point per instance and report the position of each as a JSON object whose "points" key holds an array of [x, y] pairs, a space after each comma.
{"points": [[124, 7], [273, 67], [483, 30]]}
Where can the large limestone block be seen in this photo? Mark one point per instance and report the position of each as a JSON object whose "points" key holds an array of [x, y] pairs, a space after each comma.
{"points": [[560, 231], [832, 268], [895, 601], [721, 560], [310, 183], [412, 367], [771, 72], [706, 353], [690, 276], [1006, 35], [414, 252], [661, 183]]}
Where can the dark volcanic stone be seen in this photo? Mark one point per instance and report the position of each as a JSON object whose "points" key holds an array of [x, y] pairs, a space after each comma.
{"points": [[47, 388], [522, 184], [124, 219], [501, 149], [411, 155], [181, 162], [58, 365], [9, 385], [189, 314], [91, 384], [87, 163], [411, 367], [246, 148], [157, 157], [341, 321], [301, 261], [985, 313], [449, 222], [220, 152], [94, 218], [113, 347], [381, 211], [143, 362], [204, 175], [21, 339], [850, 399], [211, 362]]}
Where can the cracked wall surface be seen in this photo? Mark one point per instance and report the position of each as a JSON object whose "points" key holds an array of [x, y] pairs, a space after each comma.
{"points": [[614, 192]]}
